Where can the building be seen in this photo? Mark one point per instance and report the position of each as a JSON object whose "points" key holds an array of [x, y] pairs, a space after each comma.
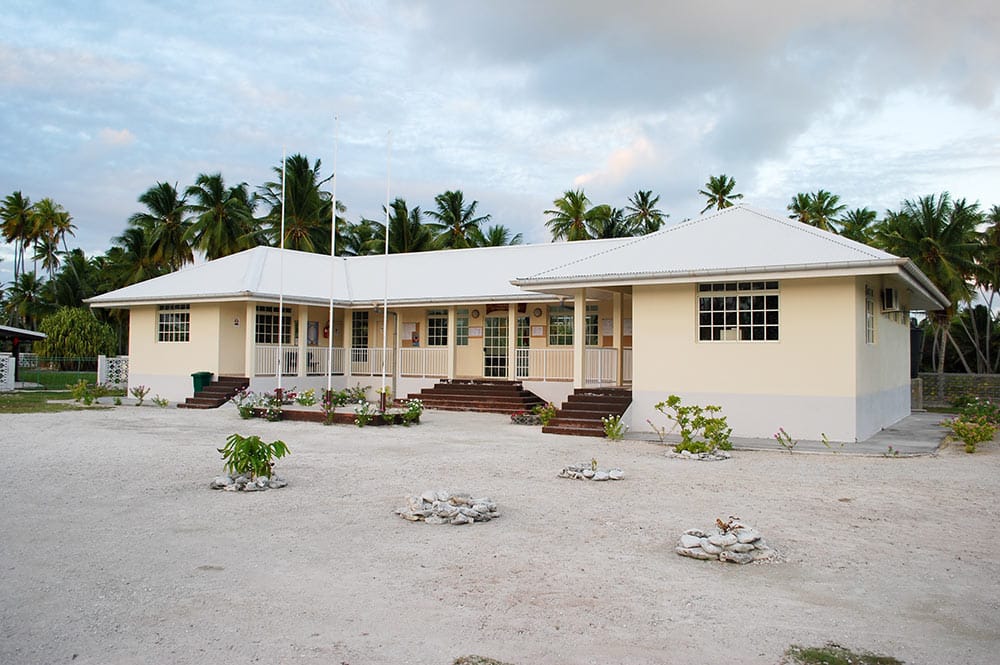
{"points": [[781, 324]]}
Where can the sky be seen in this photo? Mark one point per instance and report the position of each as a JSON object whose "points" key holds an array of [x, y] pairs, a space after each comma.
{"points": [[511, 102]]}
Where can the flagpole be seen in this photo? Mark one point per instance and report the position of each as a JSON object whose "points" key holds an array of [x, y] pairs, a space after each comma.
{"points": [[281, 277], [333, 261], [385, 267]]}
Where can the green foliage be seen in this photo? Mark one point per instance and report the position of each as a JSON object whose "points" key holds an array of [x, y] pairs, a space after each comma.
{"points": [[545, 412], [357, 394], [980, 409], [364, 413], [306, 397], [614, 428], [414, 408], [74, 332], [118, 401], [331, 400], [245, 401], [161, 402], [972, 430], [701, 430], [88, 392], [139, 393], [36, 402], [250, 455], [833, 654], [785, 440]]}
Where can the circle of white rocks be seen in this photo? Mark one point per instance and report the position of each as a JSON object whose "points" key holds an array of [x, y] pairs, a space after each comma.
{"points": [[715, 456], [737, 544], [444, 507], [243, 483], [588, 472]]}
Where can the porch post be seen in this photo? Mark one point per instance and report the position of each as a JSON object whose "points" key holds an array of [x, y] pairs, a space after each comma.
{"points": [[616, 336], [303, 329], [452, 341], [579, 337], [346, 340], [511, 341], [249, 331]]}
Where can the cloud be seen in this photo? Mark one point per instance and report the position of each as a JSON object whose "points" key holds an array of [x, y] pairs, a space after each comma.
{"points": [[620, 165], [115, 137]]}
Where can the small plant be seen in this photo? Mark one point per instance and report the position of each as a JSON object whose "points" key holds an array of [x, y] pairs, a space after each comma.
{"points": [[100, 390], [980, 409], [306, 398], [118, 400], [784, 440], [891, 452], [702, 431], [545, 412], [331, 400], [250, 455], [364, 413], [614, 428], [270, 404], [139, 393], [161, 402], [661, 432], [414, 408], [357, 394], [972, 430], [593, 464], [245, 401], [81, 392], [728, 525], [288, 396]]}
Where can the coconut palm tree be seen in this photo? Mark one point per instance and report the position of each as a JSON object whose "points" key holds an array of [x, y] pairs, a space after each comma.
{"points": [[859, 224], [719, 192], [131, 259], [498, 235], [15, 215], [457, 225], [407, 232], [604, 221], [643, 215], [165, 222], [819, 209], [307, 208], [939, 236], [223, 223], [357, 239], [568, 217], [26, 303], [50, 224]]}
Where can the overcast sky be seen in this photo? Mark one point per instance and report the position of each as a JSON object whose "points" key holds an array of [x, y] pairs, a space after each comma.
{"points": [[512, 102]]}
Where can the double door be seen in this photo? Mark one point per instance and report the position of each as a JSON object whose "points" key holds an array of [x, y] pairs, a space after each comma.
{"points": [[495, 352]]}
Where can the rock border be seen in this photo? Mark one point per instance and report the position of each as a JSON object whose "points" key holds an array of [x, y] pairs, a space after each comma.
{"points": [[243, 483], [731, 542], [444, 507], [588, 472]]}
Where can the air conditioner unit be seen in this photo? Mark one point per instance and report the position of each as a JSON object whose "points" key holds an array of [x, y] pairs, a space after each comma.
{"points": [[890, 300]]}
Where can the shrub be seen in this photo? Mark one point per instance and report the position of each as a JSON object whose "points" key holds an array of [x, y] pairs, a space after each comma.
{"points": [[975, 408], [358, 394], [73, 332], [139, 393], [161, 402], [363, 413], [414, 408], [701, 430], [250, 455], [785, 440], [545, 412], [972, 430], [306, 398], [614, 428]]}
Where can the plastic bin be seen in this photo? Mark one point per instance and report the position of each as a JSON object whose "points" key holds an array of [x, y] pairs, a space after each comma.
{"points": [[201, 379]]}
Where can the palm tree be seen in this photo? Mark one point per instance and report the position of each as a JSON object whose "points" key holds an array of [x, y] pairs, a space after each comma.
{"points": [[568, 218], [817, 209], [499, 235], [719, 192], [457, 226], [643, 215], [165, 222], [357, 239], [604, 221], [859, 224], [130, 259], [15, 214], [26, 302], [224, 222], [939, 236], [307, 208], [407, 232], [76, 280]]}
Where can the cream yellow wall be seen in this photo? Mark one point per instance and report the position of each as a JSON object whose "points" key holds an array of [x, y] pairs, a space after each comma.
{"points": [[469, 358], [805, 381], [232, 339]]}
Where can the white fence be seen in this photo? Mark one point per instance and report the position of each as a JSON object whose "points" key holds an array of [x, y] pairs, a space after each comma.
{"points": [[6, 372], [424, 362], [601, 367], [626, 365], [112, 371], [544, 364]]}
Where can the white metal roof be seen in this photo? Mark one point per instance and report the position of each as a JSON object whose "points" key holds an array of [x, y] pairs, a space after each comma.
{"points": [[735, 241]]}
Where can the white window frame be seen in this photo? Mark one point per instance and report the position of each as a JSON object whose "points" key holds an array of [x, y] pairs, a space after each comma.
{"points": [[173, 324], [747, 311]]}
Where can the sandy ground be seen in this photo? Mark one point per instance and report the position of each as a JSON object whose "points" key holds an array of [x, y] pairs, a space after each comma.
{"points": [[114, 550]]}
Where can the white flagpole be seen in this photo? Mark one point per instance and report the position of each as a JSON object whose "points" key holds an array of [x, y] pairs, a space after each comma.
{"points": [[333, 261], [281, 275], [385, 267]]}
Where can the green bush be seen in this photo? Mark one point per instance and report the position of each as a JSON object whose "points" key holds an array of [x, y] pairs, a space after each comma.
{"points": [[73, 332], [972, 430], [701, 430], [545, 412], [250, 455]]}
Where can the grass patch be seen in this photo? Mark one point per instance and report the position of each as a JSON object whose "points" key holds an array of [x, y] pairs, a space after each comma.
{"points": [[36, 401], [833, 654], [477, 660], [55, 380]]}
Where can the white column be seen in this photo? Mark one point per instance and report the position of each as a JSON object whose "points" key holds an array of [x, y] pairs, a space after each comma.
{"points": [[452, 339], [250, 353], [346, 338], [579, 337], [511, 340], [303, 364], [616, 335]]}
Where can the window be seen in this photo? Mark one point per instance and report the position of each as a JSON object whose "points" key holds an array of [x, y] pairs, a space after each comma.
{"points": [[869, 316], [560, 325], [437, 327], [174, 324], [738, 311], [266, 331], [590, 326], [359, 330], [462, 327]]}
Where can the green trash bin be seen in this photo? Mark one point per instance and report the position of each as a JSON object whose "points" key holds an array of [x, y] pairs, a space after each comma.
{"points": [[201, 379]]}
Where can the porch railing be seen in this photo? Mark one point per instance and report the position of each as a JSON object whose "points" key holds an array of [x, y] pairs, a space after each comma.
{"points": [[316, 359], [544, 364], [627, 365], [431, 362], [601, 367], [267, 360]]}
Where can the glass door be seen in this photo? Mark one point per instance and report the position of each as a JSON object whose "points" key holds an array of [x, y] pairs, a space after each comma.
{"points": [[523, 342], [495, 347]]}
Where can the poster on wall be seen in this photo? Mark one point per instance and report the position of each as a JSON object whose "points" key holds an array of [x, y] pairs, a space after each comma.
{"points": [[312, 333], [475, 331], [411, 334], [626, 327], [607, 326]]}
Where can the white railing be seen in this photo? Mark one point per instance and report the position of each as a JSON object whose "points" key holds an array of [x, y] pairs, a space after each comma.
{"points": [[316, 360], [424, 362], [6, 372], [544, 364], [368, 362], [267, 360], [112, 371], [601, 367], [627, 365]]}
